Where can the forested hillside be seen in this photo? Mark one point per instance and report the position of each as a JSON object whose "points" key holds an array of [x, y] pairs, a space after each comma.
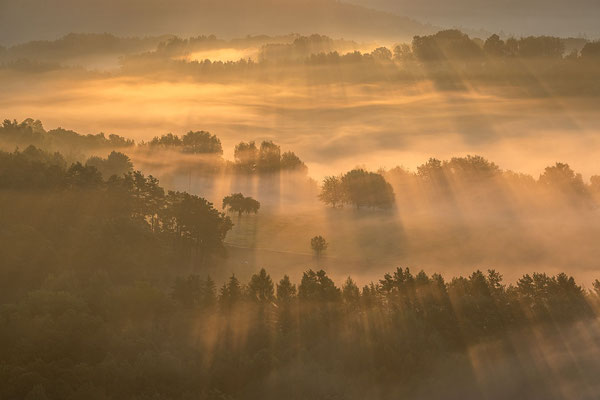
{"points": [[98, 302]]}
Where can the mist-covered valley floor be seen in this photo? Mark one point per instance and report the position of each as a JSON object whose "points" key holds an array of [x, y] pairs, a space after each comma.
{"points": [[292, 216]]}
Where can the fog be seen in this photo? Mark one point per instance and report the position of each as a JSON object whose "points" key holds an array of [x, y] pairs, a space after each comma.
{"points": [[333, 127], [264, 214], [335, 119]]}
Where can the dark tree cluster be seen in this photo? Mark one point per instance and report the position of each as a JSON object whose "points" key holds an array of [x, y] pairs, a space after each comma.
{"points": [[31, 132], [116, 164], [130, 205], [445, 44], [453, 44], [302, 48], [318, 244], [482, 183], [78, 338], [535, 64], [266, 159], [240, 204], [75, 46], [359, 188], [471, 181], [199, 142], [530, 46]]}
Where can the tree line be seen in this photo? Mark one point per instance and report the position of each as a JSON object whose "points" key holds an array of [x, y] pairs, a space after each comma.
{"points": [[32, 132], [495, 59], [188, 223], [473, 177], [249, 158], [76, 338], [533, 65]]}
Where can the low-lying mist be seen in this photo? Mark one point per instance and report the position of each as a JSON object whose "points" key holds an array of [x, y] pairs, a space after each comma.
{"points": [[332, 127], [338, 109]]}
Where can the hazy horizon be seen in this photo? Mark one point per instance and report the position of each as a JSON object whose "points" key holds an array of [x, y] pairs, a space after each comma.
{"points": [[375, 19]]}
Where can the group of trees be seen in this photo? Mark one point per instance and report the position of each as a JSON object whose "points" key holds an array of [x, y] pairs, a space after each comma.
{"points": [[198, 142], [531, 46], [483, 304], [78, 338], [32, 132], [268, 158], [359, 188], [514, 59], [471, 180], [116, 163], [239, 203], [318, 244], [290, 48], [486, 184], [453, 43], [530, 63], [188, 222], [303, 47], [74, 47], [443, 45]]}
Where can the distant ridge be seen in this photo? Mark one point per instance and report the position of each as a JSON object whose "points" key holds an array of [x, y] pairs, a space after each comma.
{"points": [[41, 19]]}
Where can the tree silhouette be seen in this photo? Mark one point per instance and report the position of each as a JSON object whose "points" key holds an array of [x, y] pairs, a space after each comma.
{"points": [[318, 244], [239, 203], [231, 293], [291, 162], [367, 189], [166, 141], [115, 164], [317, 286], [350, 292], [332, 191], [246, 157], [193, 219], [286, 291], [560, 177], [591, 51], [201, 142], [382, 54], [260, 288], [269, 157], [494, 46]]}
